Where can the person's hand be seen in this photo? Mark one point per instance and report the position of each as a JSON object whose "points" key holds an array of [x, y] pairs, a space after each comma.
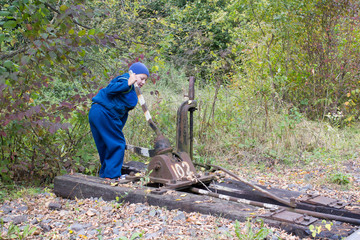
{"points": [[132, 78]]}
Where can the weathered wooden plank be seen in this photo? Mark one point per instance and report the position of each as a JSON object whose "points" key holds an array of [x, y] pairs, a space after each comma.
{"points": [[82, 186]]}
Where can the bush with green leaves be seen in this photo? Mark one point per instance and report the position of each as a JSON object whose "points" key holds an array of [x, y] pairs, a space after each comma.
{"points": [[54, 57]]}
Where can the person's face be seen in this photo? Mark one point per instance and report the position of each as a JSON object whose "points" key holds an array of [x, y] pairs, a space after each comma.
{"points": [[140, 79]]}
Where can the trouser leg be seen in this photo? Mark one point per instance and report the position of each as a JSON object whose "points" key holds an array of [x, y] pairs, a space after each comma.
{"points": [[109, 140]]}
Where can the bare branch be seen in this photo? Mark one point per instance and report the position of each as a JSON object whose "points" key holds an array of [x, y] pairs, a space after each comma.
{"points": [[256, 19], [81, 25], [74, 21], [131, 41], [12, 54]]}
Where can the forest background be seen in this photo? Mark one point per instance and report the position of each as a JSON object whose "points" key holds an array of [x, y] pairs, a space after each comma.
{"points": [[277, 82]]}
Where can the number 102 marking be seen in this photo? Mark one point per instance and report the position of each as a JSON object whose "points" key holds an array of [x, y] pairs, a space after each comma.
{"points": [[181, 171]]}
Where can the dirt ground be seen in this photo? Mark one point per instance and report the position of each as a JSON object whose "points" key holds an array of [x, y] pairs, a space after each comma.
{"points": [[45, 216]]}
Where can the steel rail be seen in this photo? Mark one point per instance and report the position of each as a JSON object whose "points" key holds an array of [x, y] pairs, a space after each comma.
{"points": [[276, 207], [234, 199], [267, 193]]}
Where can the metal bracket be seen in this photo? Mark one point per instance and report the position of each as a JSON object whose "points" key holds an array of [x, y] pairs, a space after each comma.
{"points": [[159, 191], [323, 201], [140, 150], [291, 217]]}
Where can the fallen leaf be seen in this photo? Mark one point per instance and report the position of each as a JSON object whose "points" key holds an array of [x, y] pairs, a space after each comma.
{"points": [[37, 232], [328, 227], [90, 213]]}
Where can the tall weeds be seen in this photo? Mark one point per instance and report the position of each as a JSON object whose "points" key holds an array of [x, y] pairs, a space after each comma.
{"points": [[241, 128]]}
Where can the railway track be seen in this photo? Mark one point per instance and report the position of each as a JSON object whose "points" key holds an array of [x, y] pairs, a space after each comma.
{"points": [[228, 198]]}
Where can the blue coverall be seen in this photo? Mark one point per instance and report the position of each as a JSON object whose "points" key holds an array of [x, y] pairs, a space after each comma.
{"points": [[107, 117]]}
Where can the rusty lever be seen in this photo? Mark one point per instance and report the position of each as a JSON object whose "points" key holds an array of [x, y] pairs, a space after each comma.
{"points": [[267, 193], [162, 144]]}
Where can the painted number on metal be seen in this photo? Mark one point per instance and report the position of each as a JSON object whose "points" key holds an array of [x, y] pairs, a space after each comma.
{"points": [[181, 170]]}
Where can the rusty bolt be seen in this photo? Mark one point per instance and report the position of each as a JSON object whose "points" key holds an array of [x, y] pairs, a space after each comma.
{"points": [[157, 166]]}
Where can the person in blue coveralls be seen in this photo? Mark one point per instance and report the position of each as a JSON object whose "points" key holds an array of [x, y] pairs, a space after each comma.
{"points": [[108, 115]]}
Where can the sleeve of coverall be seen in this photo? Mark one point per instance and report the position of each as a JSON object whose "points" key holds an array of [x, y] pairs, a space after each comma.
{"points": [[118, 85]]}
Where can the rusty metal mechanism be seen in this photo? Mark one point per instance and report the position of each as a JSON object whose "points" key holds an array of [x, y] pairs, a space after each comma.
{"points": [[184, 125], [172, 169]]}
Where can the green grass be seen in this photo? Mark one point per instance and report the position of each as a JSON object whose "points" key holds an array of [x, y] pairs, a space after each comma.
{"points": [[16, 191]]}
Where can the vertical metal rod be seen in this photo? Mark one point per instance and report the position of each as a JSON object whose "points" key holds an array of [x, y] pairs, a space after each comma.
{"points": [[191, 97], [191, 88], [191, 134]]}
